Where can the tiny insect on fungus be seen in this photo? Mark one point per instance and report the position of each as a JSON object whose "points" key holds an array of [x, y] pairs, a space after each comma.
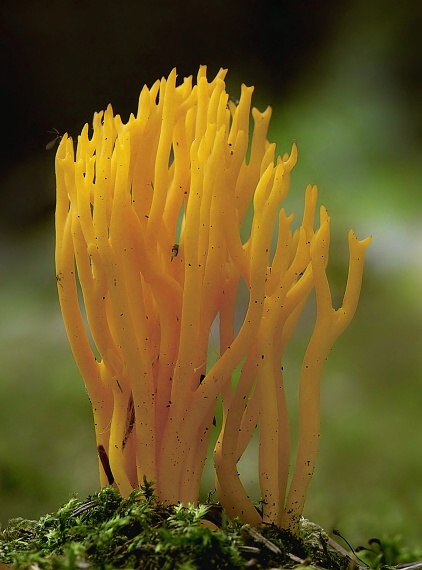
{"points": [[57, 138], [174, 251], [59, 277]]}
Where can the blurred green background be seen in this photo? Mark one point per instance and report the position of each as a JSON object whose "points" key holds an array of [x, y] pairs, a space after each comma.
{"points": [[344, 81]]}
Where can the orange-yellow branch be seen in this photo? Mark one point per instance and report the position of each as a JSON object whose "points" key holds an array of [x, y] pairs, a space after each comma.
{"points": [[153, 252]]}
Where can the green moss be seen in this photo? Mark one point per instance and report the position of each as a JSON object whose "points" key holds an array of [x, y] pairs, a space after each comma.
{"points": [[107, 531], [388, 552]]}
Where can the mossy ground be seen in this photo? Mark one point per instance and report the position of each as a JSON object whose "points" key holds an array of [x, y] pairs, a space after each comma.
{"points": [[107, 531]]}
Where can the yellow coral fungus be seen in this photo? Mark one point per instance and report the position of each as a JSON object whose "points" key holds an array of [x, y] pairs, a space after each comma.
{"points": [[150, 254]]}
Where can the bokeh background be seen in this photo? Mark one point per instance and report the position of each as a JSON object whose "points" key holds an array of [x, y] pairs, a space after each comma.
{"points": [[344, 81]]}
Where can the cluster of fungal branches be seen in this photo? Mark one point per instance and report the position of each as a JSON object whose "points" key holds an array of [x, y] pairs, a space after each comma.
{"points": [[160, 222]]}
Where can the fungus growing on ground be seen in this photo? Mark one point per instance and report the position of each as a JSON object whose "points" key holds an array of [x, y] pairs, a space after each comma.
{"points": [[152, 249]]}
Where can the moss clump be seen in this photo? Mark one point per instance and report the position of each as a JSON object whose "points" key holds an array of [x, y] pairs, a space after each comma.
{"points": [[107, 531]]}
